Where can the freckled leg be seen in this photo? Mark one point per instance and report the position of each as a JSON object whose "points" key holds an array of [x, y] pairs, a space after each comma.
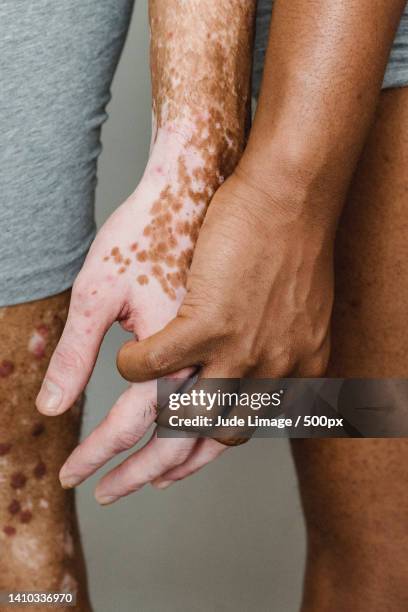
{"points": [[354, 492], [39, 540]]}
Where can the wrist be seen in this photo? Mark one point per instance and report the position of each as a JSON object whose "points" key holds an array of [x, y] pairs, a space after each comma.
{"points": [[209, 145], [294, 182], [285, 204]]}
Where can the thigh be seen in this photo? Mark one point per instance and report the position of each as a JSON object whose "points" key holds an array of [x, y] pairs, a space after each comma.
{"points": [[39, 541], [354, 491], [370, 331], [28, 335]]}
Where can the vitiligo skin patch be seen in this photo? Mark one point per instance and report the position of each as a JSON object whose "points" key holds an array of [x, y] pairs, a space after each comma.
{"points": [[39, 540]]}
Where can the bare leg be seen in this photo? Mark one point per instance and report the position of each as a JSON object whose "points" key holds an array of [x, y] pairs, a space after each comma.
{"points": [[39, 540], [354, 492]]}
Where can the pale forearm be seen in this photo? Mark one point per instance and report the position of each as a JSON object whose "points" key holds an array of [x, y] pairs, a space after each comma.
{"points": [[323, 75]]}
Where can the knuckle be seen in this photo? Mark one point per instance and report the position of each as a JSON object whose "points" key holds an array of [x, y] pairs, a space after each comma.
{"points": [[175, 457], [315, 368], [250, 361], [66, 358], [150, 411], [155, 361], [208, 316], [123, 434], [314, 364], [222, 327], [124, 438], [283, 364], [180, 455]]}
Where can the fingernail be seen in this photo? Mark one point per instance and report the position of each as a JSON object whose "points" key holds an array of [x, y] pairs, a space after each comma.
{"points": [[163, 484], [104, 500], [49, 397], [69, 482]]}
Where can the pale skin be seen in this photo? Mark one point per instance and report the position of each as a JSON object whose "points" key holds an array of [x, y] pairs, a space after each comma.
{"points": [[302, 183]]}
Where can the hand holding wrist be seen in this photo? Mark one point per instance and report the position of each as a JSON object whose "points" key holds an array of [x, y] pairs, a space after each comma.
{"points": [[283, 194]]}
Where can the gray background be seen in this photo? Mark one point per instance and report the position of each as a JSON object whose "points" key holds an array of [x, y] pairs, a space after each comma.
{"points": [[228, 539]]}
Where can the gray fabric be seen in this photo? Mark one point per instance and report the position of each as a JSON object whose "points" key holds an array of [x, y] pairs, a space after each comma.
{"points": [[57, 60], [397, 70]]}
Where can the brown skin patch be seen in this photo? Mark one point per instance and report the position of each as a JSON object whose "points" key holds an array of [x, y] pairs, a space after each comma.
{"points": [[156, 208], [25, 516], [9, 530], [175, 279], [37, 429], [14, 507], [18, 480], [43, 330], [157, 271], [40, 470], [6, 368], [4, 449]]}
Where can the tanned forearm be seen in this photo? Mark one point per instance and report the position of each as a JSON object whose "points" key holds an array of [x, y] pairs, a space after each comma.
{"points": [[324, 68]]}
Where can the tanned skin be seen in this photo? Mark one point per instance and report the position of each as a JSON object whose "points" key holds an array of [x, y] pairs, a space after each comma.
{"points": [[39, 541], [354, 491]]}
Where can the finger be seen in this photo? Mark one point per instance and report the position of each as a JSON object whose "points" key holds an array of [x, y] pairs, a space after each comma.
{"points": [[122, 428], [177, 346], [196, 405], [74, 358], [157, 457], [206, 451], [260, 397]]}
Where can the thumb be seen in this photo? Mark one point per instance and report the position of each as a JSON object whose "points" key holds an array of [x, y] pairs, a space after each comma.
{"points": [[178, 345], [74, 358]]}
